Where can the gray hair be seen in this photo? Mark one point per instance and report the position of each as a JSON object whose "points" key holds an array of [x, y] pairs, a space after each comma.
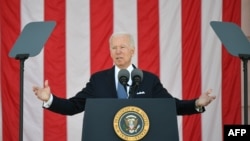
{"points": [[131, 40]]}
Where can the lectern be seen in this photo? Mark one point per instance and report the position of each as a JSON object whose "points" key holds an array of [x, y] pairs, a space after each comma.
{"points": [[130, 119]]}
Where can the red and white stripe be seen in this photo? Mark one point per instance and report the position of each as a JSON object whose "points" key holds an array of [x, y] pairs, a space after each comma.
{"points": [[175, 41]]}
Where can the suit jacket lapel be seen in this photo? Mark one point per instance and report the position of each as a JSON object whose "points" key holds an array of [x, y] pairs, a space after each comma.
{"points": [[111, 80]]}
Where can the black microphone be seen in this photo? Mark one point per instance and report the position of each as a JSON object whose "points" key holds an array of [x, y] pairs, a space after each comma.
{"points": [[123, 76], [137, 77]]}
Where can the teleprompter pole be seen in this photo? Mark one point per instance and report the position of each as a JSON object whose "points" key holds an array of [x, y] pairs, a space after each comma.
{"points": [[245, 58], [21, 58]]}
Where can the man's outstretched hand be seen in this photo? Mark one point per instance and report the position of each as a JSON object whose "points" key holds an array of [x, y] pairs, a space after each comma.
{"points": [[205, 99], [42, 93]]}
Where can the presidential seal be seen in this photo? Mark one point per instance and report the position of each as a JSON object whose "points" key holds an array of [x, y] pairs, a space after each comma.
{"points": [[131, 123]]}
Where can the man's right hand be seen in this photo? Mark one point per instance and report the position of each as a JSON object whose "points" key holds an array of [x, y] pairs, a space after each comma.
{"points": [[42, 93]]}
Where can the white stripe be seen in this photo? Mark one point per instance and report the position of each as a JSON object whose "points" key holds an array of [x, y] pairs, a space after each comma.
{"points": [[33, 75], [77, 58], [125, 20], [170, 49], [211, 71]]}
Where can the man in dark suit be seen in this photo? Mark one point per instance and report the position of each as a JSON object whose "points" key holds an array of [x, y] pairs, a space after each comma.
{"points": [[103, 84]]}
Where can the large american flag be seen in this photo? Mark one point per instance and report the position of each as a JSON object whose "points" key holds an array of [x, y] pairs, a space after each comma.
{"points": [[174, 40]]}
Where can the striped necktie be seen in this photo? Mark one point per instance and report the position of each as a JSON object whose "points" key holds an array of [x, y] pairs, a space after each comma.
{"points": [[122, 94]]}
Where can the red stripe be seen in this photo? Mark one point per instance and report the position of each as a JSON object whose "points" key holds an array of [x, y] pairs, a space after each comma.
{"points": [[101, 25], [55, 69], [148, 35], [231, 71], [10, 30], [191, 64]]}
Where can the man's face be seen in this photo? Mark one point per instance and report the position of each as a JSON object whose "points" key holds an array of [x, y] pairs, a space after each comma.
{"points": [[121, 52]]}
